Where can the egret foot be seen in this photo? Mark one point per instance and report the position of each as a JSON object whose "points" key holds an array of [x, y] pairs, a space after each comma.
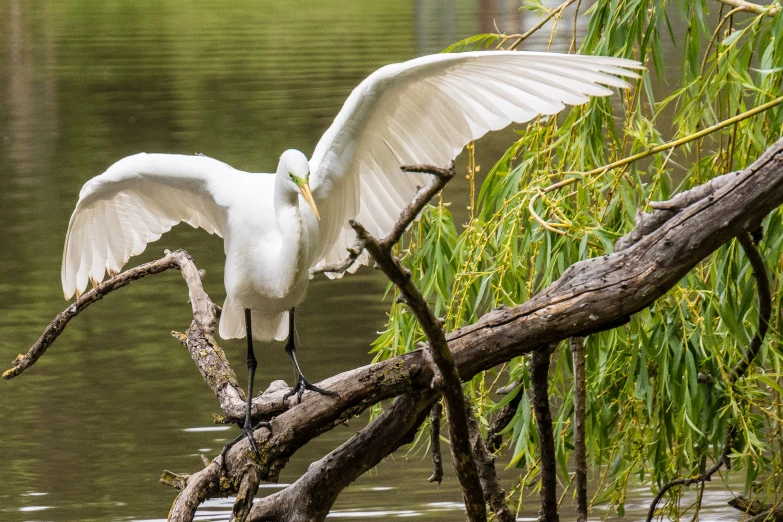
{"points": [[246, 432], [303, 385]]}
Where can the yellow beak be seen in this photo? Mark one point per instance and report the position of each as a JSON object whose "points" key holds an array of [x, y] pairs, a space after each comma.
{"points": [[304, 188]]}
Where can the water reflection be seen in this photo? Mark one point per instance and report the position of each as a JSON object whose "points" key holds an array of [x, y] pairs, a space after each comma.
{"points": [[88, 430]]}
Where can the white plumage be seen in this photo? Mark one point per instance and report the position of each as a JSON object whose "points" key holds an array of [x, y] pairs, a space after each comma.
{"points": [[421, 111]]}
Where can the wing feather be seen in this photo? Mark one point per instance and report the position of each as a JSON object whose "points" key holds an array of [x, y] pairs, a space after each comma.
{"points": [[134, 202], [425, 111]]}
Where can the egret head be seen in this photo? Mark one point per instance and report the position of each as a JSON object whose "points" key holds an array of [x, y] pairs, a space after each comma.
{"points": [[294, 169]]}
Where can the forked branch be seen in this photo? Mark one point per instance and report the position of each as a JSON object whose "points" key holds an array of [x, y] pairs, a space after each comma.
{"points": [[438, 348]]}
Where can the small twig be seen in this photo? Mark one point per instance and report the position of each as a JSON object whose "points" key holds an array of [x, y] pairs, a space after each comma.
{"points": [[440, 176], [551, 14], [663, 211], [751, 7], [174, 480], [338, 268], [704, 477], [56, 327], [409, 214], [437, 461], [580, 453], [649, 152]]}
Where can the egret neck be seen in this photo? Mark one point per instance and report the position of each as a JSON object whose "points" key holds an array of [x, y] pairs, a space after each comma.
{"points": [[292, 196]]}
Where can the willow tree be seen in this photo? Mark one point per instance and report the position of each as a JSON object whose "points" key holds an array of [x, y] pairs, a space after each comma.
{"points": [[660, 393]]}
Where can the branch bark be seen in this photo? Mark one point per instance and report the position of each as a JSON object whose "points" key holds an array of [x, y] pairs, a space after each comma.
{"points": [[759, 511], [313, 494]]}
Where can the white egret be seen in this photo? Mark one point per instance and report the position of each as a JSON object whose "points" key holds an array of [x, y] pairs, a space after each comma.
{"points": [[277, 227]]}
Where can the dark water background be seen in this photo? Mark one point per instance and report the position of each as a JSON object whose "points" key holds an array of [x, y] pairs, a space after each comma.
{"points": [[86, 433]]}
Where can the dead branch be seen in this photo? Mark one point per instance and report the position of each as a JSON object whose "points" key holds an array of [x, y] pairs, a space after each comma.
{"points": [[56, 327], [765, 311], [314, 493], [759, 511], [438, 348], [577, 345], [539, 399], [409, 214]]}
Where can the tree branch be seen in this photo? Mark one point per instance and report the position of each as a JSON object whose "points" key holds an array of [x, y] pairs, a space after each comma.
{"points": [[438, 348], [314, 493], [758, 511], [751, 7], [539, 384], [56, 327], [765, 311]]}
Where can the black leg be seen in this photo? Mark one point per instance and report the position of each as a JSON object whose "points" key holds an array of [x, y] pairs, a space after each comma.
{"points": [[302, 384], [248, 428]]}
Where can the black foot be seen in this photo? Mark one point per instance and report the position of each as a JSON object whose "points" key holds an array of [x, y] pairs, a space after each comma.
{"points": [[246, 432], [302, 384]]}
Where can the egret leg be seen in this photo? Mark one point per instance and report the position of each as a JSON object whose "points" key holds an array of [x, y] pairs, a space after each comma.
{"points": [[302, 384], [248, 428]]}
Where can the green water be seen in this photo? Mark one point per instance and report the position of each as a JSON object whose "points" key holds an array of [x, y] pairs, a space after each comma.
{"points": [[87, 431]]}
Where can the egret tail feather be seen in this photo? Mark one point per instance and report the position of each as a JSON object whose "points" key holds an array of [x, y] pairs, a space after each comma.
{"points": [[265, 327]]}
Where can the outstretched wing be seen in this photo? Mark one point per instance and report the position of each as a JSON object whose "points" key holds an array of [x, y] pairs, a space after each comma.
{"points": [[133, 203], [425, 111]]}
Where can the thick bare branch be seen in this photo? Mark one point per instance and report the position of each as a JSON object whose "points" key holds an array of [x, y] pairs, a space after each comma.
{"points": [[438, 347], [759, 511]]}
